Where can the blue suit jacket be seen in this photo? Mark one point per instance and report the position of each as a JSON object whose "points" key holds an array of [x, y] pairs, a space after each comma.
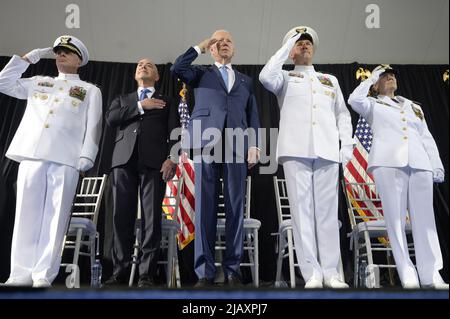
{"points": [[214, 106]]}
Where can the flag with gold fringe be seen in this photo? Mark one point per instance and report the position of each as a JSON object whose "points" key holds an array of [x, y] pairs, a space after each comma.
{"points": [[185, 173]]}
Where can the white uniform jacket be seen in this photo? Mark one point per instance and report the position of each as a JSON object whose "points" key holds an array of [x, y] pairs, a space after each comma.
{"points": [[62, 120], [313, 114], [400, 133]]}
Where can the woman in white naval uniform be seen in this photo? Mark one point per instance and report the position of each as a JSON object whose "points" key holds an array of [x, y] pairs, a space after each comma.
{"points": [[57, 138], [404, 160], [313, 118]]}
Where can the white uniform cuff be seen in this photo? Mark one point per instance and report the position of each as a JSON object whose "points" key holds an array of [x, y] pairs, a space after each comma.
{"points": [[140, 108]]}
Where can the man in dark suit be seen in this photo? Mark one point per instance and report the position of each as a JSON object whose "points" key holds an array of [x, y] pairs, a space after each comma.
{"points": [[141, 160], [223, 100]]}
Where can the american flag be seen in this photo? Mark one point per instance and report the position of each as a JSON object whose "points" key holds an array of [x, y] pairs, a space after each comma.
{"points": [[185, 169], [356, 172], [183, 110]]}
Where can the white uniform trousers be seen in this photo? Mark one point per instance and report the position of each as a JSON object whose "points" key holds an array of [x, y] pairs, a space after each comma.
{"points": [[312, 186], [403, 189], [45, 191]]}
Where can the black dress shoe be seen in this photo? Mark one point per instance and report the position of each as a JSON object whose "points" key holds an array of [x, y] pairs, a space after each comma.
{"points": [[145, 282], [233, 281], [115, 281], [204, 283]]}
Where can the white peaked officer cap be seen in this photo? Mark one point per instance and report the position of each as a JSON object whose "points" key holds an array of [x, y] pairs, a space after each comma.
{"points": [[73, 44], [308, 33]]}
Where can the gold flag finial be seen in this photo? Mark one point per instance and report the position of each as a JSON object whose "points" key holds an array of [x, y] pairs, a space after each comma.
{"points": [[183, 92], [445, 76], [362, 74]]}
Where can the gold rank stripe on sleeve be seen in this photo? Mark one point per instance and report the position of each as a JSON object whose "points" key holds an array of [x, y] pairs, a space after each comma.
{"points": [[78, 92]]}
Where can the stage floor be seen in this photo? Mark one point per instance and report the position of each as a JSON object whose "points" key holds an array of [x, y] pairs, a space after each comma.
{"points": [[217, 294]]}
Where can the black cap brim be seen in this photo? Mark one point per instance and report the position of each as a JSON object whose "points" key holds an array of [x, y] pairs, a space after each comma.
{"points": [[306, 36], [69, 47]]}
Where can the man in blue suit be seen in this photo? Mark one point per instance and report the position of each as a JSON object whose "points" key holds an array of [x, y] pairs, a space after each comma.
{"points": [[225, 106]]}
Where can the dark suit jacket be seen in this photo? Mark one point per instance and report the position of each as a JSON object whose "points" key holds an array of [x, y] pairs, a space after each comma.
{"points": [[214, 106], [151, 130]]}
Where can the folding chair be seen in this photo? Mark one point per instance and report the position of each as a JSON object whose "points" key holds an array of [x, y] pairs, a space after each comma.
{"points": [[251, 228], [285, 234], [82, 235], [169, 230], [369, 234]]}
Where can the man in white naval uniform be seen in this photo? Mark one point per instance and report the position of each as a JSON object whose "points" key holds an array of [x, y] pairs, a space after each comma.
{"points": [[405, 161], [313, 118], [57, 138]]}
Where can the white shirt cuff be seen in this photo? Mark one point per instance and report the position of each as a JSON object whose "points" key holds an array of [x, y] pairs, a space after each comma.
{"points": [[140, 108], [197, 49]]}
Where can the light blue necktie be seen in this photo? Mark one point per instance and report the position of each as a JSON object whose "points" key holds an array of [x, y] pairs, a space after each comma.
{"points": [[224, 72], [143, 95]]}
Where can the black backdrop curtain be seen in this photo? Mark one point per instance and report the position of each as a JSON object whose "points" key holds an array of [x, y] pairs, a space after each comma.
{"points": [[422, 83]]}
